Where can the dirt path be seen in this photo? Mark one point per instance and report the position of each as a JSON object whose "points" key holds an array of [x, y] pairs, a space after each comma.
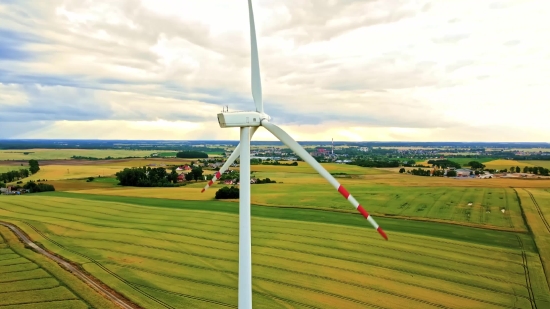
{"points": [[91, 281]]}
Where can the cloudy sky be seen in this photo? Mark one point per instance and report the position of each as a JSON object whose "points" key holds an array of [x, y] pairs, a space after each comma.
{"points": [[357, 70]]}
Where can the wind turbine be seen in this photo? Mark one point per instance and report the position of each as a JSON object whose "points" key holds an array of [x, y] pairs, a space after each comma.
{"points": [[252, 120]]}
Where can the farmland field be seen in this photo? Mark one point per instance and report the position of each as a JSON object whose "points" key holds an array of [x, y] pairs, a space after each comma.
{"points": [[52, 154], [184, 254], [29, 280], [536, 206], [378, 195]]}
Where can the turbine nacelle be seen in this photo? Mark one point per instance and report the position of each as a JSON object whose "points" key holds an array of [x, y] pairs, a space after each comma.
{"points": [[241, 119]]}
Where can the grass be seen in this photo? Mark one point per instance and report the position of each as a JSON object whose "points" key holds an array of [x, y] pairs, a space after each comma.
{"points": [[184, 253], [30, 280]]}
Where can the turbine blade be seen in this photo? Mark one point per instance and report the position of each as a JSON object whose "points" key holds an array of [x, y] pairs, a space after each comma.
{"points": [[227, 163], [255, 63], [292, 144]]}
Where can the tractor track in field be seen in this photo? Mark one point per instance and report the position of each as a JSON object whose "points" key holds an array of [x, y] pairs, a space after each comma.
{"points": [[265, 279], [234, 221], [229, 221], [92, 282], [335, 267], [287, 249], [305, 274], [543, 218], [266, 238], [527, 275], [187, 235], [144, 293], [273, 247], [203, 230], [507, 212]]}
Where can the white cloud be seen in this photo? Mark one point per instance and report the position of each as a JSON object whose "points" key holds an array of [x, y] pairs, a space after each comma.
{"points": [[373, 70]]}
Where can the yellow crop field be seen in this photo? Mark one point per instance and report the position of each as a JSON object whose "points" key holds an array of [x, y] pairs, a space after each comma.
{"points": [[501, 164], [180, 193], [185, 254], [54, 154], [541, 163], [56, 172]]}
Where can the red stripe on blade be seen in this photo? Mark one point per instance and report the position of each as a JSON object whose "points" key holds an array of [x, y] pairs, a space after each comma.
{"points": [[203, 190], [363, 211], [379, 229], [218, 175], [343, 191], [210, 183]]}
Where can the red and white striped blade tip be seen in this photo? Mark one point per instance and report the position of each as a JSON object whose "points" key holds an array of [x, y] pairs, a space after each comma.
{"points": [[379, 229]]}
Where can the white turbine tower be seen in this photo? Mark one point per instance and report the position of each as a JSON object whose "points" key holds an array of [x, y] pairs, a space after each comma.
{"points": [[252, 120]]}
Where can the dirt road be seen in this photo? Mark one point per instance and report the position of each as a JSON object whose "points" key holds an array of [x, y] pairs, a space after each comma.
{"points": [[123, 303]]}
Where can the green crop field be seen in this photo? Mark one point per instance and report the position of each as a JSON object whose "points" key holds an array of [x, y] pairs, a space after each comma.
{"points": [[28, 280], [184, 254]]}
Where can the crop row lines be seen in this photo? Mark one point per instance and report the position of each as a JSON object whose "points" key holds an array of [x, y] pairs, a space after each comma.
{"points": [[214, 239]]}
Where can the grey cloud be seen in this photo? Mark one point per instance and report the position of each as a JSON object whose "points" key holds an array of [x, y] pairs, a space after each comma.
{"points": [[305, 27], [458, 65], [512, 43], [451, 38]]}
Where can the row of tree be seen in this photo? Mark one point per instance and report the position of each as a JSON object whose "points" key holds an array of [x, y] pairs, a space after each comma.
{"points": [[537, 170], [423, 172], [227, 193], [14, 175], [155, 177], [444, 163], [34, 187], [376, 163], [188, 154], [147, 177]]}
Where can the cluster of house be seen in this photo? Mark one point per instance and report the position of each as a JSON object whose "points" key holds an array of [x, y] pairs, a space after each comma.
{"points": [[466, 172], [13, 191], [237, 182], [181, 172]]}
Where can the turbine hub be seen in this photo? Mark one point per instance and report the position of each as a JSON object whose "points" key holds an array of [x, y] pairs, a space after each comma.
{"points": [[241, 119]]}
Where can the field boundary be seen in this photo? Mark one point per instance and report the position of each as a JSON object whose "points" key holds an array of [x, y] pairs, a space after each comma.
{"points": [[64, 263]]}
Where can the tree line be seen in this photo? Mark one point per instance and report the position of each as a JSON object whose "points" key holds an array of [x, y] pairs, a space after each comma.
{"points": [[375, 163], [10, 176], [188, 154], [155, 177], [146, 177]]}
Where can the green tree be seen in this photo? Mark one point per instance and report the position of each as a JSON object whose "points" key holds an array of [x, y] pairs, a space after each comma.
{"points": [[451, 173], [525, 169], [34, 167], [476, 165], [197, 172], [518, 169], [189, 176], [227, 193], [402, 170], [512, 169], [173, 176]]}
